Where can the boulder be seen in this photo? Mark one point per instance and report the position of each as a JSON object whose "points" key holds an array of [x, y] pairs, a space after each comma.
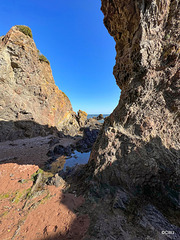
{"points": [[93, 123], [100, 117], [89, 137], [82, 117], [57, 181]]}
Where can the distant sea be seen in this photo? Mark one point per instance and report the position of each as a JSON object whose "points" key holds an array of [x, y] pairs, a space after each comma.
{"points": [[95, 115]]}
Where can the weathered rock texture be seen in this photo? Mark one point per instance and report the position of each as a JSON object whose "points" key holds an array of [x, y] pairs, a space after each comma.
{"points": [[82, 117], [27, 88], [139, 144]]}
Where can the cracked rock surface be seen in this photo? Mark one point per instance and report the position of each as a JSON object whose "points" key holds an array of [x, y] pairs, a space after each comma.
{"points": [[139, 145]]}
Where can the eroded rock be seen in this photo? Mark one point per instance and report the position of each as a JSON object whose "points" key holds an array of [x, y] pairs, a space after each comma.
{"points": [[82, 117], [139, 145], [29, 97]]}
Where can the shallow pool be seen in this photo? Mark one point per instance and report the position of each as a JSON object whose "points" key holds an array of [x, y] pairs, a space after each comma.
{"points": [[76, 158]]}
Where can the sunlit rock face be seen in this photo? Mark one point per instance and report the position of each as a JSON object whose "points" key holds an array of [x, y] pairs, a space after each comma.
{"points": [[139, 144], [27, 88]]}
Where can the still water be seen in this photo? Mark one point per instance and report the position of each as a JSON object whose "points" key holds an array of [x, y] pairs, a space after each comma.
{"points": [[62, 162], [77, 158]]}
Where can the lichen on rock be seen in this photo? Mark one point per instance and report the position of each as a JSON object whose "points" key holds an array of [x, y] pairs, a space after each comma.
{"points": [[82, 117]]}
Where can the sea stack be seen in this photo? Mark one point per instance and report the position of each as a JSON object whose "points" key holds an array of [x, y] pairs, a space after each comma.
{"points": [[29, 98]]}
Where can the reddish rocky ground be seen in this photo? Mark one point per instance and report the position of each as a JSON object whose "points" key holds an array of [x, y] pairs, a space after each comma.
{"points": [[35, 212]]}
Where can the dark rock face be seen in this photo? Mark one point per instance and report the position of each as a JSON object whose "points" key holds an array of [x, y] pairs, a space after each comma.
{"points": [[12, 130], [139, 145], [100, 117], [60, 150], [89, 138]]}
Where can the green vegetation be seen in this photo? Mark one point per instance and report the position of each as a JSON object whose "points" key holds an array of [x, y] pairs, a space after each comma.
{"points": [[18, 197], [26, 30], [43, 58], [4, 196], [48, 196], [28, 193], [64, 94], [35, 175]]}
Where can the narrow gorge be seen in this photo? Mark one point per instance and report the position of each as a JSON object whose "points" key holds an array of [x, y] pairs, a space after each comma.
{"points": [[130, 187]]}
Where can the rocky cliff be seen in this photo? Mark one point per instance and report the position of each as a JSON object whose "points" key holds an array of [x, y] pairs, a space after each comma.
{"points": [[139, 145], [28, 94]]}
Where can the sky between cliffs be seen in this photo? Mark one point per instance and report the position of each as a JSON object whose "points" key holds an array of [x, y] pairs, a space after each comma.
{"points": [[72, 36]]}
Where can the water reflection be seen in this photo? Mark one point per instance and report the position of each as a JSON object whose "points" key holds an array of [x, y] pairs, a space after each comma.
{"points": [[58, 164], [77, 158], [63, 161]]}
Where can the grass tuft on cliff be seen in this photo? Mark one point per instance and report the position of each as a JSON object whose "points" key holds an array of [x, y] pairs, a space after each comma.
{"points": [[42, 57], [64, 95], [24, 29]]}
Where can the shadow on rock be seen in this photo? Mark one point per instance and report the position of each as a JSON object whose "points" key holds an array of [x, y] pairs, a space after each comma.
{"points": [[12, 130]]}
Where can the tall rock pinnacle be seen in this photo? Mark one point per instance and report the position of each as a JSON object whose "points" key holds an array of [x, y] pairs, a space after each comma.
{"points": [[28, 91]]}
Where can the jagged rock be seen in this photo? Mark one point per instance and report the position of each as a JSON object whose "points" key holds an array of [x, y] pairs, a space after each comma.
{"points": [[28, 90], [121, 199], [93, 123], [57, 181], [71, 124], [12, 130], [89, 137], [82, 117], [100, 117], [60, 150], [151, 218], [139, 146]]}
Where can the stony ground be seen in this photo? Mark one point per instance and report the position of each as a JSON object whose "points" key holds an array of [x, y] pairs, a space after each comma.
{"points": [[29, 209], [33, 210]]}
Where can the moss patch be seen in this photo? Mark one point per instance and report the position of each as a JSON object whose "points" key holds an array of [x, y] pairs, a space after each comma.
{"points": [[20, 195], [42, 58], [47, 197], [4, 196], [34, 175], [26, 30]]}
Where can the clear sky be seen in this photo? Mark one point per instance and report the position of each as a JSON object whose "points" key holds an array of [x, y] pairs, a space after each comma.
{"points": [[71, 34]]}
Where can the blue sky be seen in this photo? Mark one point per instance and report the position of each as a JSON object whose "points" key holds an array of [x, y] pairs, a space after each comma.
{"points": [[72, 36]]}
